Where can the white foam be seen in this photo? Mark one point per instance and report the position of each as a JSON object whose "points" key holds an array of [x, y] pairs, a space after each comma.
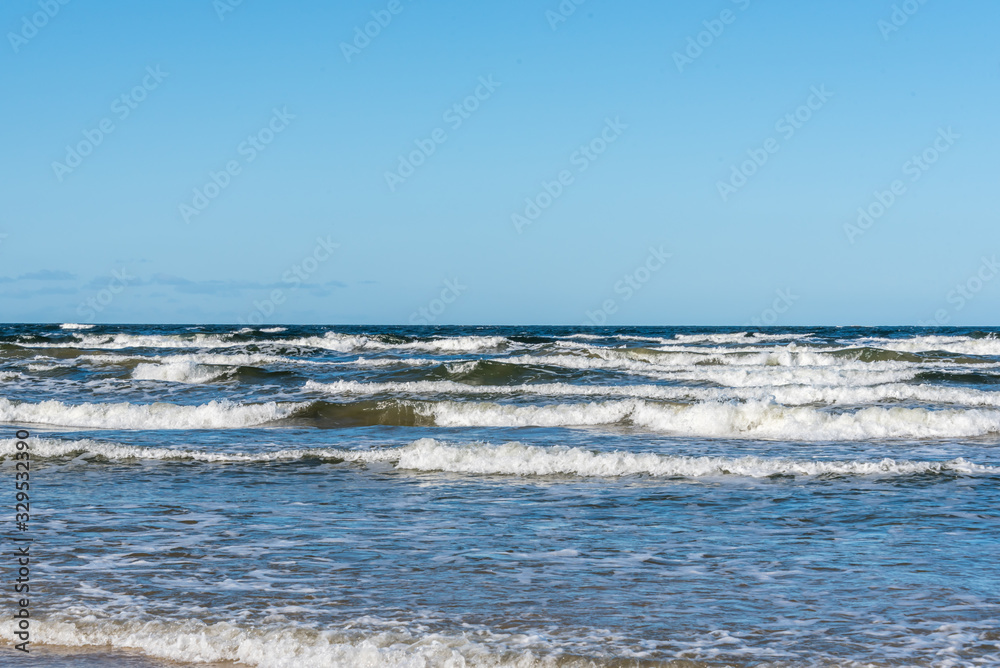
{"points": [[847, 372], [777, 376], [213, 415], [50, 447], [789, 356], [335, 341], [210, 359], [521, 459], [963, 345], [119, 341], [515, 458], [347, 343], [376, 363], [43, 367], [758, 420], [749, 419], [229, 359], [360, 643], [695, 344], [73, 325], [178, 372], [714, 338], [789, 395], [265, 330], [735, 337], [766, 420]]}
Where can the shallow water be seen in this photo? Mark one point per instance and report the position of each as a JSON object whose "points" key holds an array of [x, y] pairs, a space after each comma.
{"points": [[513, 496]]}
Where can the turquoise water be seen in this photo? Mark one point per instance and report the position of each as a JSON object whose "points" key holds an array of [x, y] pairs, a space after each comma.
{"points": [[310, 496]]}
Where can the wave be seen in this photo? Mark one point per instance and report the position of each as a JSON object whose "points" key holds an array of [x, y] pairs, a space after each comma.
{"points": [[750, 419], [515, 458], [788, 395], [735, 337], [789, 356], [757, 420], [57, 448], [263, 330], [122, 341], [713, 338], [179, 372], [194, 373], [349, 343], [213, 415], [535, 367], [333, 341], [984, 345], [530, 460], [844, 373], [229, 360], [73, 325], [363, 642]]}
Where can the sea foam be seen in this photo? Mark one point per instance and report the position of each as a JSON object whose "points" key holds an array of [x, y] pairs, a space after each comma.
{"points": [[278, 646], [221, 414], [515, 458]]}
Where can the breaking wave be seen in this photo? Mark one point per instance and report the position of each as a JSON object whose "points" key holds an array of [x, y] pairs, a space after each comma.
{"points": [[274, 645], [789, 395], [749, 419], [515, 458], [220, 414]]}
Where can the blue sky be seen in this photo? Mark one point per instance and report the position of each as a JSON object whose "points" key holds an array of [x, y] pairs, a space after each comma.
{"points": [[622, 123]]}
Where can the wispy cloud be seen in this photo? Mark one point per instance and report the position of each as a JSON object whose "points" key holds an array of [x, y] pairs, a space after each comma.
{"points": [[43, 275]]}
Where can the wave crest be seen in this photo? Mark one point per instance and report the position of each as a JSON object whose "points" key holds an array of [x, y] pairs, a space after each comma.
{"points": [[222, 414], [360, 643], [516, 458]]}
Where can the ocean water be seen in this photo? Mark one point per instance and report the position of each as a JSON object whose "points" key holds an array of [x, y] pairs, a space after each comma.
{"points": [[496, 496]]}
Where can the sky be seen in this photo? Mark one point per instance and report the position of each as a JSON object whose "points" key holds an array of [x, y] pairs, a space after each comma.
{"points": [[726, 162]]}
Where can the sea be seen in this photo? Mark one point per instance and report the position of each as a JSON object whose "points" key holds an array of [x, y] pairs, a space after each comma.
{"points": [[291, 496]]}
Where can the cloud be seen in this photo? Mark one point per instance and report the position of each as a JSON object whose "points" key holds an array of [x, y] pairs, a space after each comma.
{"points": [[46, 275], [231, 287], [37, 292], [173, 283]]}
